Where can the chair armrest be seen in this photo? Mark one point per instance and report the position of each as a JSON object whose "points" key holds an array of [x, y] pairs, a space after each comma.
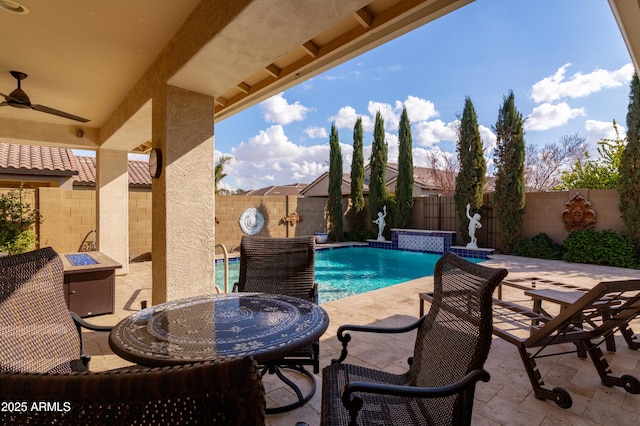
{"points": [[84, 324], [80, 324], [467, 384], [345, 338]]}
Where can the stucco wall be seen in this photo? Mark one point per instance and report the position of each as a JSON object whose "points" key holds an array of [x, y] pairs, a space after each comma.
{"points": [[543, 213]]}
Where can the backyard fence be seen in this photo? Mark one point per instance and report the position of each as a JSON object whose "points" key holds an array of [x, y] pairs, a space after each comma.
{"points": [[69, 216]]}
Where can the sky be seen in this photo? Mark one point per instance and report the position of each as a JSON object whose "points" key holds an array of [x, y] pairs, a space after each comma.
{"points": [[565, 61]]}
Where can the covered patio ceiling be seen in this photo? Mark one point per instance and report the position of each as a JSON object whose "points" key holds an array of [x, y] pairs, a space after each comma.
{"points": [[103, 60]]}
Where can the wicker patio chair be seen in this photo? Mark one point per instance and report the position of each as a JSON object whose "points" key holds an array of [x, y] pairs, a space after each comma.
{"points": [[283, 266], [37, 331], [223, 392], [452, 344]]}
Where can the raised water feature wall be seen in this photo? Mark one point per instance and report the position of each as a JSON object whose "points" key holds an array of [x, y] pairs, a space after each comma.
{"points": [[438, 242]]}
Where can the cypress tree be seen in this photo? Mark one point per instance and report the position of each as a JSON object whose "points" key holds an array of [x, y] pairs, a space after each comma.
{"points": [[629, 185], [357, 169], [404, 183], [356, 215], [509, 196], [334, 202], [378, 169], [471, 178]]}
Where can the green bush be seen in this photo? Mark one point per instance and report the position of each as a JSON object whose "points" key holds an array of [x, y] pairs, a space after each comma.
{"points": [[604, 247], [16, 219], [541, 247]]}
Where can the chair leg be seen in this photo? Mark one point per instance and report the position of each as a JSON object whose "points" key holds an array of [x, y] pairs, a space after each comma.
{"points": [[560, 396], [630, 338], [301, 399], [629, 383]]}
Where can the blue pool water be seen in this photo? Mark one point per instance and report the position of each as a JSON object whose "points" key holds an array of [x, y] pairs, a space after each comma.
{"points": [[348, 271]]}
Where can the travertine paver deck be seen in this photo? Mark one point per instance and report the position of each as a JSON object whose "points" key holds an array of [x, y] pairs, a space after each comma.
{"points": [[507, 399]]}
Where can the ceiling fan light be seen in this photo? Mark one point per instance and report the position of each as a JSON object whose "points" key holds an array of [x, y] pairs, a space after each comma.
{"points": [[13, 7]]}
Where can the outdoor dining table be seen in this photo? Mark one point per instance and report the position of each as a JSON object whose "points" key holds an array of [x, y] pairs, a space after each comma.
{"points": [[231, 325]]}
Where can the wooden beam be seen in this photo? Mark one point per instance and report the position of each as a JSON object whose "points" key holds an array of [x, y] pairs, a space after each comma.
{"points": [[221, 101], [363, 17], [244, 87], [273, 70], [311, 48]]}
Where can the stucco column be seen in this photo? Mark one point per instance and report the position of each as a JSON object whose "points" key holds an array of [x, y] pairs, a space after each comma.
{"points": [[112, 205], [183, 195]]}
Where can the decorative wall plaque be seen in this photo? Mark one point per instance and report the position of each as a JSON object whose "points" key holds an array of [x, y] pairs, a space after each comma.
{"points": [[292, 218], [251, 221], [578, 214]]}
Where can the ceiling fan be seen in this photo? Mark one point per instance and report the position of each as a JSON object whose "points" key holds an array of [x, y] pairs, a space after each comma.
{"points": [[19, 99]]}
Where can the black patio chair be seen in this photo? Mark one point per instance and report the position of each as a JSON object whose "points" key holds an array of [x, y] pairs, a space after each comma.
{"points": [[283, 266], [452, 344]]}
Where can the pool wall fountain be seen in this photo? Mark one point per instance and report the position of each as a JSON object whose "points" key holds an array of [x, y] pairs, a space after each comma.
{"points": [[425, 241]]}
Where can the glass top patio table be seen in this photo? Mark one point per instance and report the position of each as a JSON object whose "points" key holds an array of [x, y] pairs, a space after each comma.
{"points": [[202, 328]]}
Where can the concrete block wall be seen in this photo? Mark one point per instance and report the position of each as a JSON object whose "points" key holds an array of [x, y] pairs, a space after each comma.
{"points": [[139, 222], [229, 208], [69, 216]]}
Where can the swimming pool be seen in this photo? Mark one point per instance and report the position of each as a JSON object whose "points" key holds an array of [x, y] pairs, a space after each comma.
{"points": [[343, 272]]}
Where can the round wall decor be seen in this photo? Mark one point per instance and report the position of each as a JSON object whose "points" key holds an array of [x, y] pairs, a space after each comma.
{"points": [[251, 221]]}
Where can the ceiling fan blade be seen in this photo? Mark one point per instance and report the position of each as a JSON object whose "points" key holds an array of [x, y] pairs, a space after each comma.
{"points": [[48, 110]]}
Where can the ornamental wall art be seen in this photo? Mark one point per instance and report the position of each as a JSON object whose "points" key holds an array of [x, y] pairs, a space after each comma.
{"points": [[578, 214]]}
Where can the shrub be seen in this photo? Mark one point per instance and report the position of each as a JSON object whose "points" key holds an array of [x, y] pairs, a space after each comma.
{"points": [[16, 219], [541, 247], [604, 247]]}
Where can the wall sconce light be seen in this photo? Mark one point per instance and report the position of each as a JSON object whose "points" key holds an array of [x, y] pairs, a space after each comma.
{"points": [[155, 163]]}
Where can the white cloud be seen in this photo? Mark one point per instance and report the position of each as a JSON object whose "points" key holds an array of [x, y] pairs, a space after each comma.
{"points": [[316, 132], [579, 85], [270, 145], [488, 138], [428, 133], [270, 158], [421, 156], [277, 110], [597, 130], [548, 116], [419, 109], [390, 114], [346, 119]]}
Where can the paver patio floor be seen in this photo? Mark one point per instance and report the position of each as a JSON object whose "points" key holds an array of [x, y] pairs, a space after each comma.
{"points": [[507, 399]]}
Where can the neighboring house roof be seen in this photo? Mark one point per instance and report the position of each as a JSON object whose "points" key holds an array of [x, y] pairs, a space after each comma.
{"points": [[320, 186], [47, 161], [138, 172], [423, 177], [279, 190], [37, 160]]}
